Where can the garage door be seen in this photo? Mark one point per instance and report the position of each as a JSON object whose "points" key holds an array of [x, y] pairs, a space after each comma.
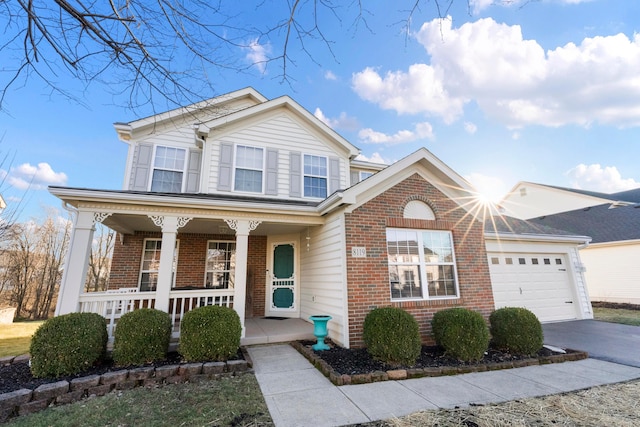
{"points": [[538, 282]]}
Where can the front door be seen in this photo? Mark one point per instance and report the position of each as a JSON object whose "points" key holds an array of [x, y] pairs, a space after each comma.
{"points": [[282, 278]]}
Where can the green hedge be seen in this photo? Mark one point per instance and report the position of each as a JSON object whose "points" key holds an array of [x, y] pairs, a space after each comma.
{"points": [[68, 344], [392, 335], [141, 336], [516, 330], [210, 333], [463, 333]]}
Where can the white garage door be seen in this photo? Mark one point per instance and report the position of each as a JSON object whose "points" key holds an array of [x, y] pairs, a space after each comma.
{"points": [[538, 282]]}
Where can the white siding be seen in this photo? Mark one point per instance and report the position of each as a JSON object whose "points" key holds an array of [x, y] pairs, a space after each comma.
{"points": [[280, 132], [532, 201], [613, 272], [322, 284]]}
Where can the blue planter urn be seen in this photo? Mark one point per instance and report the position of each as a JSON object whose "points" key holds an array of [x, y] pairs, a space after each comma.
{"points": [[320, 331]]}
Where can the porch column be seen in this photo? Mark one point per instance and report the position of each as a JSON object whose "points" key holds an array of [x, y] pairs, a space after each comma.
{"points": [[170, 226], [242, 229], [75, 271]]}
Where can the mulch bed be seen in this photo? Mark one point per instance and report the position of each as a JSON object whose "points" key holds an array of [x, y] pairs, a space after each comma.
{"points": [[18, 375], [348, 366], [617, 305]]}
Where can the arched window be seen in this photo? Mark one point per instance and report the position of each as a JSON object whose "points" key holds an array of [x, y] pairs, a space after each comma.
{"points": [[417, 209]]}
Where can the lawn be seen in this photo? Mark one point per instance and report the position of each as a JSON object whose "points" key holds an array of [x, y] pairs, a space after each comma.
{"points": [[15, 338], [228, 401], [617, 315]]}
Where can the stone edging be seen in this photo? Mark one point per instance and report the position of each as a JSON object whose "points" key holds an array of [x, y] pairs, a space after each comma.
{"points": [[403, 374], [26, 401]]}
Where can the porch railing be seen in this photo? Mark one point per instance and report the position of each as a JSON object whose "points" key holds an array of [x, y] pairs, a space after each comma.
{"points": [[113, 304]]}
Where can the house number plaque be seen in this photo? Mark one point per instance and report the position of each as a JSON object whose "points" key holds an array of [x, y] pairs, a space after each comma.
{"points": [[359, 252]]}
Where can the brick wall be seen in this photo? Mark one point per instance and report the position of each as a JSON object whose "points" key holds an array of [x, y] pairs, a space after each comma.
{"points": [[127, 256], [368, 278]]}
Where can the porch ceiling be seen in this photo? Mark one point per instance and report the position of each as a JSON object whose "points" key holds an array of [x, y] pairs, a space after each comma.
{"points": [[129, 224]]}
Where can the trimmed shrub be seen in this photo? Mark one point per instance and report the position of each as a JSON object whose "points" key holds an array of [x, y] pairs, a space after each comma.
{"points": [[68, 344], [392, 336], [141, 336], [516, 330], [210, 333], [462, 332]]}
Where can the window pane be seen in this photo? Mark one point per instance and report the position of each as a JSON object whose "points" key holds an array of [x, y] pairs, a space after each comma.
{"points": [[441, 280], [437, 247], [315, 187], [169, 158], [249, 157], [405, 281], [248, 180], [220, 265], [166, 181], [315, 165]]}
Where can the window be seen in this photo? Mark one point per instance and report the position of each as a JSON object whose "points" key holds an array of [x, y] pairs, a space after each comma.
{"points": [[221, 265], [522, 261], [151, 264], [315, 176], [495, 260], [249, 167], [509, 261], [365, 175], [421, 264], [534, 261], [168, 169]]}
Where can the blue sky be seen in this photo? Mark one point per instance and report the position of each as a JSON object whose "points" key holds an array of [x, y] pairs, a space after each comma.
{"points": [[545, 91]]}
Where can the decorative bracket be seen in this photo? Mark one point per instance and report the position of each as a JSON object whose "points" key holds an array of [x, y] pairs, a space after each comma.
{"points": [[98, 217], [181, 221], [233, 224]]}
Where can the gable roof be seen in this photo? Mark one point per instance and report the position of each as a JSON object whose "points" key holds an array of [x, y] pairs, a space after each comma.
{"points": [[630, 196], [421, 161], [604, 223], [126, 129], [282, 102]]}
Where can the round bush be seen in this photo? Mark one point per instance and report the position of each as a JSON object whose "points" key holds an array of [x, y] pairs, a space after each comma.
{"points": [[462, 332], [392, 336], [210, 333], [516, 330], [68, 344], [141, 336]]}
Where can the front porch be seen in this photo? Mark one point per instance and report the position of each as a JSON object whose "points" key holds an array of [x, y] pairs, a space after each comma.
{"points": [[265, 330], [257, 330]]}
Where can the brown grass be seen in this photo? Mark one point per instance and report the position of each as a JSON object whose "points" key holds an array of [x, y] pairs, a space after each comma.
{"points": [[609, 405], [15, 338]]}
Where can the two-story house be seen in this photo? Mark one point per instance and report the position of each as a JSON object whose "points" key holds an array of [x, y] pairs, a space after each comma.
{"points": [[256, 204]]}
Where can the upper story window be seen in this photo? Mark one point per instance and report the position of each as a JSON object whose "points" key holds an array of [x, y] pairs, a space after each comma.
{"points": [[421, 264], [168, 169], [151, 264], [315, 176], [249, 168], [364, 175]]}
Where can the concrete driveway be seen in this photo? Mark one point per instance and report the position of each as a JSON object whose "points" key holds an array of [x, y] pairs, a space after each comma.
{"points": [[602, 340]]}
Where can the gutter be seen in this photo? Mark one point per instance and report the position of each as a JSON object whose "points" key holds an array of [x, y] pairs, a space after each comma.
{"points": [[582, 240]]}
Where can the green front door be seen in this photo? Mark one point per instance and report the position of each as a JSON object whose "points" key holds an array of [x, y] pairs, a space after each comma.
{"points": [[283, 278]]}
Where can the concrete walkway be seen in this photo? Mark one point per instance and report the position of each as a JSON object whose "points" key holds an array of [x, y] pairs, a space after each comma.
{"points": [[297, 394]]}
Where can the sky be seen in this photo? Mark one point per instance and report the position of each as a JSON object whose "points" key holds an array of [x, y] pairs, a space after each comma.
{"points": [[543, 91]]}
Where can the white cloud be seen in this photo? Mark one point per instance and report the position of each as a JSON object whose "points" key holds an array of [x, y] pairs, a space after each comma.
{"points": [[513, 80], [419, 90], [470, 128], [342, 122], [257, 54], [479, 5], [329, 75], [489, 188], [375, 158], [596, 178], [27, 176], [422, 130]]}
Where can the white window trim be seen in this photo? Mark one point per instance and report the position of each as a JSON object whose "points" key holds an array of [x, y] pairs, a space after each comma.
{"points": [[184, 166], [174, 266], [424, 284], [235, 167], [303, 175], [206, 271]]}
